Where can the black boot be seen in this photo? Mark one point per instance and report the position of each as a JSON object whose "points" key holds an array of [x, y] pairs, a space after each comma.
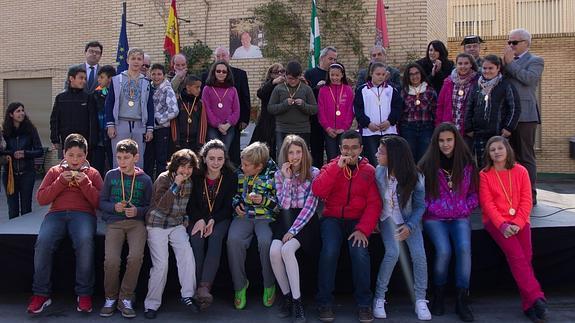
{"points": [[462, 307], [285, 306], [438, 303], [298, 313]]}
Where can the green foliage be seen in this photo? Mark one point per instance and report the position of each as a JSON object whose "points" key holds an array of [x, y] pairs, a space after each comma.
{"points": [[286, 35], [199, 56]]}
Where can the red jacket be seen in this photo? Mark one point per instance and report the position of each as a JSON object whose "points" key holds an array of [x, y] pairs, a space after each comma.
{"points": [[83, 197], [355, 199]]}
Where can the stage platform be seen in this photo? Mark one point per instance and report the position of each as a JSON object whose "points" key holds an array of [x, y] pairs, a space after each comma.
{"points": [[553, 237]]}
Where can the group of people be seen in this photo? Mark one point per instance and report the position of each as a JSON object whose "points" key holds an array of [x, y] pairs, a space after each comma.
{"points": [[431, 145]]}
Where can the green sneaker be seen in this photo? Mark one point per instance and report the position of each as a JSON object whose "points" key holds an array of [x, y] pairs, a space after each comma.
{"points": [[269, 296], [240, 297]]}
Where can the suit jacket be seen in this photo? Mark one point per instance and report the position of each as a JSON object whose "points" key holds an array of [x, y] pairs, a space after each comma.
{"points": [[242, 86], [525, 74]]}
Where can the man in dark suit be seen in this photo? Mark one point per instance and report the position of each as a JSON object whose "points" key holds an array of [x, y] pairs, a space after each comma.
{"points": [[93, 52], [242, 86], [524, 70]]}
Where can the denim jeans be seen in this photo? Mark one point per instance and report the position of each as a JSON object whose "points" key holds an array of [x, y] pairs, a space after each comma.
{"points": [[392, 254], [370, 146], [156, 155], [20, 202], [418, 135], [331, 146], [81, 227], [333, 233], [227, 139], [440, 233]]}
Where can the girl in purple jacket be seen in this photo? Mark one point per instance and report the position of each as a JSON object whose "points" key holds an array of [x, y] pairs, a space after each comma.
{"points": [[221, 101], [450, 197]]}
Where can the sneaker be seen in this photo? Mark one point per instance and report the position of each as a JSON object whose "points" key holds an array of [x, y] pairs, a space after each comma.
{"points": [[38, 304], [421, 310], [326, 314], [269, 296], [108, 308], [125, 307], [379, 308], [540, 308], [84, 304], [285, 307], [191, 303], [365, 315], [240, 297], [150, 314]]}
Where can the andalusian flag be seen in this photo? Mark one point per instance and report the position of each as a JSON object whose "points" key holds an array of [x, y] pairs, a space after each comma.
{"points": [[314, 38], [172, 40]]}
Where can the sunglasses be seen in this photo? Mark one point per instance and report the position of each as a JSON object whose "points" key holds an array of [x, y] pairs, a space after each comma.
{"points": [[221, 71], [514, 42], [146, 65]]}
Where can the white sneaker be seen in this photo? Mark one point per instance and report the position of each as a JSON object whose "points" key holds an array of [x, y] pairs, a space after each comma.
{"points": [[421, 310], [379, 308]]}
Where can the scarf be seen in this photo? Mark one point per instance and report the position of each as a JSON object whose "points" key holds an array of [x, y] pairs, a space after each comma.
{"points": [[486, 87], [460, 83], [414, 90]]}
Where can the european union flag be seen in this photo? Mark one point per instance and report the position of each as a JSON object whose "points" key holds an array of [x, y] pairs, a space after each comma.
{"points": [[122, 55]]}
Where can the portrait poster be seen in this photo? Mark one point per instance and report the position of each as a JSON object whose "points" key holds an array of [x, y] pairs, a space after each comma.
{"points": [[246, 38]]}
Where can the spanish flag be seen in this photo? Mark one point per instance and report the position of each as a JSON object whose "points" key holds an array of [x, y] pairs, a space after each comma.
{"points": [[172, 40]]}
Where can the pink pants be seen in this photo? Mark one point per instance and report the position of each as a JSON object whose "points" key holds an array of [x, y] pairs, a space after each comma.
{"points": [[517, 250]]}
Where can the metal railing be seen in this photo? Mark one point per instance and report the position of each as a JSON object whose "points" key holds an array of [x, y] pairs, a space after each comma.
{"points": [[498, 17]]}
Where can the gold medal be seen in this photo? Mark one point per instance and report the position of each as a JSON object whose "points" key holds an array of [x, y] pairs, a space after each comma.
{"points": [[460, 93], [486, 98], [511, 211], [131, 103], [220, 105], [417, 102], [450, 184], [189, 120], [338, 113]]}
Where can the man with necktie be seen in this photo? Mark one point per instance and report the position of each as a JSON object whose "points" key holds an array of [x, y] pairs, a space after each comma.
{"points": [[93, 53]]}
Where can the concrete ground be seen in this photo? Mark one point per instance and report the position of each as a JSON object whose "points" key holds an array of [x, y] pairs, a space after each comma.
{"points": [[499, 307]]}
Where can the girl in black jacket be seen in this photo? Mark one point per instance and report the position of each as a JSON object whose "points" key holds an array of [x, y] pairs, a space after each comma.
{"points": [[23, 145], [493, 107], [210, 212]]}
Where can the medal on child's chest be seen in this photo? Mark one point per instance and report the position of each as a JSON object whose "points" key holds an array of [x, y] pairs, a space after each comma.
{"points": [[460, 93], [131, 103]]}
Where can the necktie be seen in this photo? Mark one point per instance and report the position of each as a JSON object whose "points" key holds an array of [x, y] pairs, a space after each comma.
{"points": [[91, 77]]}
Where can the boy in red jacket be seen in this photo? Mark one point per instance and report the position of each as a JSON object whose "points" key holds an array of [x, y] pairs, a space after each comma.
{"points": [[72, 188], [349, 192]]}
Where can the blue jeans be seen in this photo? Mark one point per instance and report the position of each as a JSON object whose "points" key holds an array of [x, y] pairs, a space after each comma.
{"points": [[227, 139], [418, 135], [370, 146], [333, 233], [20, 202], [394, 250], [440, 232], [81, 227], [331, 146]]}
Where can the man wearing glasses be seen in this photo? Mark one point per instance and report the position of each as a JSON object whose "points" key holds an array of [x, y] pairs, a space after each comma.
{"points": [[524, 70], [93, 53], [145, 69]]}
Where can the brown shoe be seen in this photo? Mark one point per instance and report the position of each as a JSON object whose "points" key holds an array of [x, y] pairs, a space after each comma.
{"points": [[203, 295]]}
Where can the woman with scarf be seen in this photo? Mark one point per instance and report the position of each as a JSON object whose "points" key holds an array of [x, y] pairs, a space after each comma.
{"points": [[493, 107], [455, 92]]}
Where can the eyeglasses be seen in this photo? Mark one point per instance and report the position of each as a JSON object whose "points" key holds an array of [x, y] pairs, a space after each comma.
{"points": [[94, 52], [221, 71], [146, 65], [514, 42]]}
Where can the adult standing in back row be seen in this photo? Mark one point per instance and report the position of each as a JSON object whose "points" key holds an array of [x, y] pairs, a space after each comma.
{"points": [[436, 64], [315, 78], [524, 70]]}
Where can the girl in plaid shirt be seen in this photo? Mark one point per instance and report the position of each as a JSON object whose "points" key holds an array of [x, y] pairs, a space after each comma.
{"points": [[296, 224]]}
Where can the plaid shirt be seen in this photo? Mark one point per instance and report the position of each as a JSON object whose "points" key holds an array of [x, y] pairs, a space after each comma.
{"points": [[169, 202], [292, 194], [262, 184], [425, 111], [165, 105]]}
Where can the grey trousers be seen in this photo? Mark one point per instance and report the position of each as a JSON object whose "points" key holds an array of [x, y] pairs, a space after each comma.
{"points": [[134, 130], [239, 238], [208, 260]]}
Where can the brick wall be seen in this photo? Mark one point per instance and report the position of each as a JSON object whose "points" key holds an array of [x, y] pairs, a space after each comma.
{"points": [[557, 117]]}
